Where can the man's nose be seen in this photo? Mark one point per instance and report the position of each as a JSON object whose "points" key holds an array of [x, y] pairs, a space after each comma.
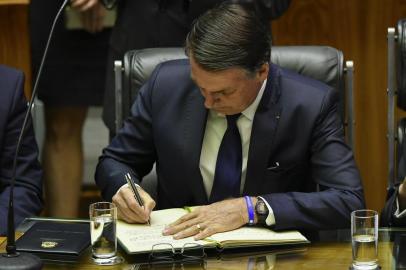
{"points": [[209, 101]]}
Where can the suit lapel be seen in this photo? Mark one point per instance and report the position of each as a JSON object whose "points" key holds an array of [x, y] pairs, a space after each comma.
{"points": [[262, 134], [195, 124]]}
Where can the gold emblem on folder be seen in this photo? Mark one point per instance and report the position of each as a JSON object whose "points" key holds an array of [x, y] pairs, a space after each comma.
{"points": [[49, 244]]}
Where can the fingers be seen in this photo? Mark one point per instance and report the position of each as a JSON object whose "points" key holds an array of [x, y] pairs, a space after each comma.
{"points": [[149, 203], [93, 19], [187, 225], [191, 228], [184, 219], [208, 220], [205, 232], [190, 231], [98, 14], [83, 5], [128, 208]]}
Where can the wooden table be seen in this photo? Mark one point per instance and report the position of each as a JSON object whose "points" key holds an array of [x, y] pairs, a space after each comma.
{"points": [[14, 38], [324, 254]]}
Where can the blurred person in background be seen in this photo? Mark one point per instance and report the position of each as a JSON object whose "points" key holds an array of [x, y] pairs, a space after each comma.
{"points": [[394, 212], [72, 80], [28, 185]]}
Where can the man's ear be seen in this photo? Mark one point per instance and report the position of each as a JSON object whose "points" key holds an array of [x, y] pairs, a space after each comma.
{"points": [[262, 72]]}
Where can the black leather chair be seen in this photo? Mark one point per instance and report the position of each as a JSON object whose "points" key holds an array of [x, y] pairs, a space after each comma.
{"points": [[322, 63], [396, 92]]}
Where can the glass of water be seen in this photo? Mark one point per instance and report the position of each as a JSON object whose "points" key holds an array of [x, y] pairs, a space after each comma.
{"points": [[103, 221], [364, 233]]}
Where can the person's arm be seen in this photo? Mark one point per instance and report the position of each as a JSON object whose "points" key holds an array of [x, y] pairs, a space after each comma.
{"points": [[28, 187], [133, 151], [394, 211], [334, 170]]}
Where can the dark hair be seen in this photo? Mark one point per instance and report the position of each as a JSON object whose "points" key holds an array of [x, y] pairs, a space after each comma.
{"points": [[229, 35]]}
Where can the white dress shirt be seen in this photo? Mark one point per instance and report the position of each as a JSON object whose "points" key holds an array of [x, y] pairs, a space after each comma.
{"points": [[216, 126]]}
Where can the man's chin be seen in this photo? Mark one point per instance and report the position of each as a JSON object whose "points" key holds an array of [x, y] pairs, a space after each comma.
{"points": [[224, 111]]}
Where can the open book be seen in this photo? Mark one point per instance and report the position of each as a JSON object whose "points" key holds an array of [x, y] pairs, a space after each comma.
{"points": [[139, 238]]}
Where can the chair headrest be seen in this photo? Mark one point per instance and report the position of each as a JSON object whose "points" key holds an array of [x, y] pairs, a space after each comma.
{"points": [[139, 64], [322, 63], [318, 62]]}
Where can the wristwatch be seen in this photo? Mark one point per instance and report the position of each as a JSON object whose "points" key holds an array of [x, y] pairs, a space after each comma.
{"points": [[262, 211]]}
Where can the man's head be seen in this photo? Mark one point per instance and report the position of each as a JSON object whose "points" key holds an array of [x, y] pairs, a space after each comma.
{"points": [[229, 50]]}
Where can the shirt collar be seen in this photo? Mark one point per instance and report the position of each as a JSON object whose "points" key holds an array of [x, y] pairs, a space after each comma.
{"points": [[249, 112]]}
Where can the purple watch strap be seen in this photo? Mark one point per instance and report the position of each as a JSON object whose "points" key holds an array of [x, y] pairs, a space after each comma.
{"points": [[250, 208]]}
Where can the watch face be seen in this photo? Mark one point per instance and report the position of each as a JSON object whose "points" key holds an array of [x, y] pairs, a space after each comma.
{"points": [[261, 207]]}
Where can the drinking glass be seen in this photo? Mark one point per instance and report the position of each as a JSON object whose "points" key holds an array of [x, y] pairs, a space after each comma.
{"points": [[103, 222], [364, 235]]}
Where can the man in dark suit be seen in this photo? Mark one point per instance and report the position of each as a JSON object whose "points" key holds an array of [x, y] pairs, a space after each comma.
{"points": [[159, 23], [394, 212], [228, 124], [28, 186]]}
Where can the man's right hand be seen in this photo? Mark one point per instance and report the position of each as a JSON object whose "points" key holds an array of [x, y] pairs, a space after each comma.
{"points": [[128, 208]]}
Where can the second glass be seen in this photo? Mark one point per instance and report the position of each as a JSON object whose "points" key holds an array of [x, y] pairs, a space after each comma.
{"points": [[364, 235]]}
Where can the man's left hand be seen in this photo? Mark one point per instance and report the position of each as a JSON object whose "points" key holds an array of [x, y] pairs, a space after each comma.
{"points": [[207, 220]]}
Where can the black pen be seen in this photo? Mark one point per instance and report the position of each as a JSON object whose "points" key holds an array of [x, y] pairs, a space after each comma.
{"points": [[137, 196]]}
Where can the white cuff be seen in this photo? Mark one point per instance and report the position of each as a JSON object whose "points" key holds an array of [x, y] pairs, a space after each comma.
{"points": [[270, 220], [399, 214]]}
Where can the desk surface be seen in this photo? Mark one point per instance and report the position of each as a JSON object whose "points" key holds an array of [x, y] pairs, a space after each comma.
{"points": [[331, 252], [14, 2]]}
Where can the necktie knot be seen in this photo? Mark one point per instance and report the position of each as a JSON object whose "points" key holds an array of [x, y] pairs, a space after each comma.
{"points": [[232, 119]]}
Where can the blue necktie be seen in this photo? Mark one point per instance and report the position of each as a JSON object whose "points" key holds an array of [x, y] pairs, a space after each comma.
{"points": [[227, 176]]}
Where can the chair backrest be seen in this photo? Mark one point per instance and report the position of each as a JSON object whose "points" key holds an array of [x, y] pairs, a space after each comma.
{"points": [[401, 64], [322, 63], [396, 95]]}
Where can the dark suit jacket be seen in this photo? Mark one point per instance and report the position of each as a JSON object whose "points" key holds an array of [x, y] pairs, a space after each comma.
{"points": [[28, 186], [296, 125], [388, 218], [144, 24]]}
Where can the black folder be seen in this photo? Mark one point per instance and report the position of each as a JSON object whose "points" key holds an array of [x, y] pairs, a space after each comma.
{"points": [[56, 241]]}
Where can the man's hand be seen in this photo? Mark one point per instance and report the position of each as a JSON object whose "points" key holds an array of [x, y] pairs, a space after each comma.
{"points": [[93, 18], [83, 5], [128, 208], [207, 220]]}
